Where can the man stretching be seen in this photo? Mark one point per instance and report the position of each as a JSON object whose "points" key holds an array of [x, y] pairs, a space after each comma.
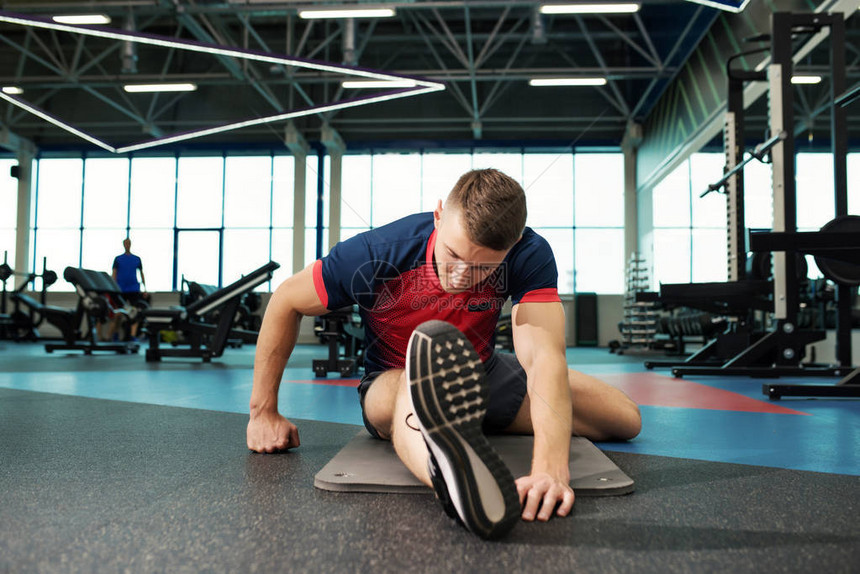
{"points": [[430, 288]]}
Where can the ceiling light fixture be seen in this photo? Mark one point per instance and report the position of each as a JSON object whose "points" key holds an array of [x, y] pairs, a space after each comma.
{"points": [[56, 121], [13, 90], [806, 80], [83, 19], [315, 13], [270, 119], [144, 88], [359, 84], [193, 46], [735, 6], [421, 86], [567, 82], [617, 8]]}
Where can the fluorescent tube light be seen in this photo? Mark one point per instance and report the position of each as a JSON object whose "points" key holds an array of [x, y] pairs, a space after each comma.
{"points": [[626, 8], [57, 122], [806, 79], [13, 90], [193, 46], [278, 118], [357, 84], [138, 88], [567, 82], [83, 19], [735, 6], [346, 13]]}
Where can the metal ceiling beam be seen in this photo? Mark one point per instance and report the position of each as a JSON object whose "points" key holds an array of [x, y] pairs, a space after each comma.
{"points": [[455, 92], [448, 39], [230, 64], [626, 38], [489, 42], [503, 83], [602, 63], [473, 84], [218, 78], [69, 80], [647, 37]]}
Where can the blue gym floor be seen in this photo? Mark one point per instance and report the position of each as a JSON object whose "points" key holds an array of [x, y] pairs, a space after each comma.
{"points": [[708, 418]]}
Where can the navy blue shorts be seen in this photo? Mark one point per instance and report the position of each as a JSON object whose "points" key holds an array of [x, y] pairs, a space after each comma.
{"points": [[506, 380]]}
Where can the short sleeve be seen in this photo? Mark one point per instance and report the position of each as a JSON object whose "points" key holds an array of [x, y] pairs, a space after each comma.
{"points": [[350, 274], [532, 272]]}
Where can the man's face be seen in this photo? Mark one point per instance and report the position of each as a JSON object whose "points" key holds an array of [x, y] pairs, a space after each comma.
{"points": [[460, 263]]}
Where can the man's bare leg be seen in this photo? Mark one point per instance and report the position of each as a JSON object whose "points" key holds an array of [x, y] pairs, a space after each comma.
{"points": [[387, 406], [600, 411]]}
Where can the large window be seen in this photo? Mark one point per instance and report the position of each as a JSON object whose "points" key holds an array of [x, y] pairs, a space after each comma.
{"points": [[690, 231], [312, 197], [58, 215], [439, 173], [575, 201], [215, 218], [209, 219], [548, 183], [105, 214], [854, 183], [247, 214], [152, 216], [9, 213], [396, 187], [355, 195], [599, 222], [283, 170]]}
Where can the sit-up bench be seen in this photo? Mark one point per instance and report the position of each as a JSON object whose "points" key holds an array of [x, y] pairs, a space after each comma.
{"points": [[66, 320], [206, 340], [93, 288]]}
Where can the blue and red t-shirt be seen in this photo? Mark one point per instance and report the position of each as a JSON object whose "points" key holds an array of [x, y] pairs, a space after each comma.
{"points": [[389, 272]]}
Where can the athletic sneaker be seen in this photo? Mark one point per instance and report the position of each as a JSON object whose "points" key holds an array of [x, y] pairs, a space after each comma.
{"points": [[446, 379]]}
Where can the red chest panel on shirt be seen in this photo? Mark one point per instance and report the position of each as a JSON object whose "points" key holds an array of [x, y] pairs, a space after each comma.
{"points": [[416, 296]]}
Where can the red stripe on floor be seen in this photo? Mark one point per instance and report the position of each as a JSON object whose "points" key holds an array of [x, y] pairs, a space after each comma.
{"points": [[333, 382], [656, 390]]}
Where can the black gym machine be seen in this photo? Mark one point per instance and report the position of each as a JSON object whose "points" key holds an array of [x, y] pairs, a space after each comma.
{"points": [[99, 297], [17, 324], [340, 329], [204, 339], [747, 295], [836, 247]]}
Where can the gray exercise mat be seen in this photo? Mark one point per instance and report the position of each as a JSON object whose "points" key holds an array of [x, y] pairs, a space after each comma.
{"points": [[367, 464]]}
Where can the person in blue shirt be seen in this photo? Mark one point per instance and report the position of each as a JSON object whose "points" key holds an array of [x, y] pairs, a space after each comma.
{"points": [[125, 270]]}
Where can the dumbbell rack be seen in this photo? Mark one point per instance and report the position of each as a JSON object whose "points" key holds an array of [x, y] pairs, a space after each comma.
{"points": [[639, 326]]}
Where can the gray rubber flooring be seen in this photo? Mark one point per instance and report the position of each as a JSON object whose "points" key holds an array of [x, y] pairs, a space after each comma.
{"points": [[90, 485]]}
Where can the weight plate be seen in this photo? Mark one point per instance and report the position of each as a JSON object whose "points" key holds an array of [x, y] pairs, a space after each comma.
{"points": [[840, 272]]}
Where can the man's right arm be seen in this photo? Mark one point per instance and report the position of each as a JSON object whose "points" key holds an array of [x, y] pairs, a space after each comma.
{"points": [[268, 431]]}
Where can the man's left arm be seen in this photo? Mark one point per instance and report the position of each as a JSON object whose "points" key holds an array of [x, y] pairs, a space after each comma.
{"points": [[538, 332]]}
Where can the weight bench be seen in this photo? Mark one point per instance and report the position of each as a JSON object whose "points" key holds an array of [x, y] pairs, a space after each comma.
{"points": [[66, 320], [206, 340], [93, 288]]}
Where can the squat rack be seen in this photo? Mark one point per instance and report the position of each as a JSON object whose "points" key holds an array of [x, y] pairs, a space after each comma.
{"points": [[786, 343]]}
